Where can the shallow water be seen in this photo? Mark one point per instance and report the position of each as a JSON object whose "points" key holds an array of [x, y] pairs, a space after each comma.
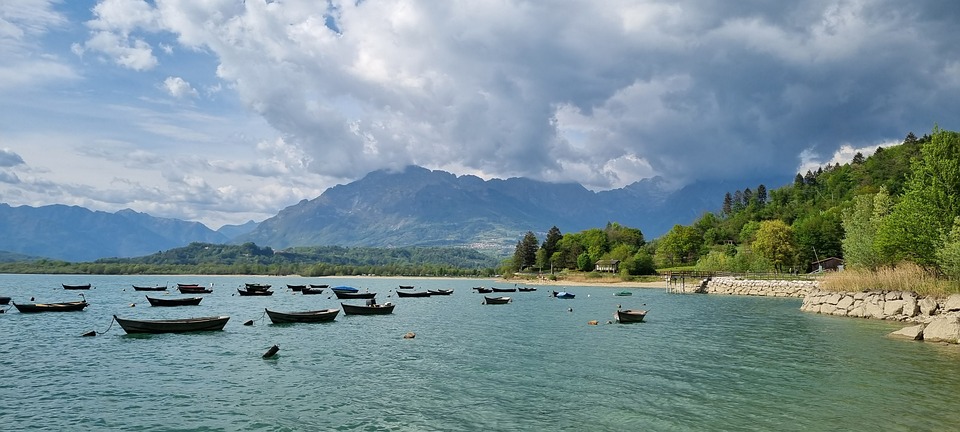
{"points": [[698, 363]]}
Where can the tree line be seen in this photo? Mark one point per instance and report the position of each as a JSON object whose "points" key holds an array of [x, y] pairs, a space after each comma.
{"points": [[900, 204]]}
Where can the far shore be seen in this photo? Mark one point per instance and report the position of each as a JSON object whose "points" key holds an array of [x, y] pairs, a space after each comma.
{"points": [[608, 283]]}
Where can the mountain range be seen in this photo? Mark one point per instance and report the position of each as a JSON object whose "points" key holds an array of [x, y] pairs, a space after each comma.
{"points": [[411, 207]]}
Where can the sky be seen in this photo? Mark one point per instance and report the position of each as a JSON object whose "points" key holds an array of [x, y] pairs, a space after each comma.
{"points": [[224, 111]]}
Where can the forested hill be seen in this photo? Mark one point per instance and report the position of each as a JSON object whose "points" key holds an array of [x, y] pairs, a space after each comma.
{"points": [[812, 209], [323, 260]]}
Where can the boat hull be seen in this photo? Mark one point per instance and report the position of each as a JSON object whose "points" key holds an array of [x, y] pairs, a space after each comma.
{"points": [[4, 300], [324, 315], [384, 309], [172, 326], [496, 300], [348, 289], [311, 291], [504, 289], [51, 307], [628, 316], [440, 292], [194, 290], [187, 301], [352, 295], [248, 292], [413, 294], [146, 288], [296, 287], [76, 287]]}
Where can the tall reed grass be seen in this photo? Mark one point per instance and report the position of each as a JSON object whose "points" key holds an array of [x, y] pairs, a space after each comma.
{"points": [[902, 277]]}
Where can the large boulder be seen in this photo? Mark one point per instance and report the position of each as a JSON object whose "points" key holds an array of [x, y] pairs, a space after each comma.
{"points": [[944, 328], [912, 332], [928, 306], [952, 303]]}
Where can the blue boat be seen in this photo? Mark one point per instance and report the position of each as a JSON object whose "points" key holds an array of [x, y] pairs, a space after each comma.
{"points": [[348, 289], [563, 295]]}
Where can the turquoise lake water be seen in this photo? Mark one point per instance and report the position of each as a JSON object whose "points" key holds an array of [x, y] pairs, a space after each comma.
{"points": [[700, 362]]}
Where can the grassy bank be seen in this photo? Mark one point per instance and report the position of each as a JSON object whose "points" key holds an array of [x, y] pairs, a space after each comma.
{"points": [[903, 277]]}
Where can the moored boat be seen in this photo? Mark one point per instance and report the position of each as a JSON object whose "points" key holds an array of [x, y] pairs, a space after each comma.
{"points": [[185, 301], [51, 307], [626, 316], [354, 295], [311, 291], [405, 287], [343, 288], [251, 292], [319, 286], [526, 289], [302, 317], [296, 287], [76, 287], [623, 293], [257, 286], [482, 290], [376, 309], [193, 289], [4, 300], [496, 300], [184, 325], [413, 293], [440, 292], [495, 289], [564, 295], [150, 288]]}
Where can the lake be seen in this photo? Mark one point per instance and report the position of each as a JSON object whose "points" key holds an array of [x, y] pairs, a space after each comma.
{"points": [[700, 362]]}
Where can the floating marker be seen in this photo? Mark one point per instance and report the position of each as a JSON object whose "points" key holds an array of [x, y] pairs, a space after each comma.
{"points": [[594, 322], [271, 352], [410, 335]]}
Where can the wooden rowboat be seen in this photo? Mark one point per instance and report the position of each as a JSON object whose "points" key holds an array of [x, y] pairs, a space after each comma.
{"points": [[482, 290], [413, 293], [311, 291], [257, 286], [296, 287], [193, 289], [214, 323], [627, 316], [353, 295], [504, 289], [302, 317], [496, 300], [185, 301], [380, 309], [319, 286], [523, 289], [150, 288], [405, 287], [76, 287], [250, 292], [441, 292], [51, 307]]}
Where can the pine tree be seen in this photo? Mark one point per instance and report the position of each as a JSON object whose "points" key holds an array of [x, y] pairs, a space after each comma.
{"points": [[727, 204], [761, 195]]}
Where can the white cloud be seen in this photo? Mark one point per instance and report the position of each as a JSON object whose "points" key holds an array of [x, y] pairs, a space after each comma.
{"points": [[179, 88]]}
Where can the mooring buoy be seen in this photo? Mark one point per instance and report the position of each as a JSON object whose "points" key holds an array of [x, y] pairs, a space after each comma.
{"points": [[410, 335], [593, 322], [271, 352]]}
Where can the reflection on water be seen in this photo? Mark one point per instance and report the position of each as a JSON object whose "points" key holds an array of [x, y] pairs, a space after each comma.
{"points": [[698, 363]]}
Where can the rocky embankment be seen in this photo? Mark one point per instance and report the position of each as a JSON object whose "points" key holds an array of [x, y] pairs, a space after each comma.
{"points": [[934, 319], [751, 287]]}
